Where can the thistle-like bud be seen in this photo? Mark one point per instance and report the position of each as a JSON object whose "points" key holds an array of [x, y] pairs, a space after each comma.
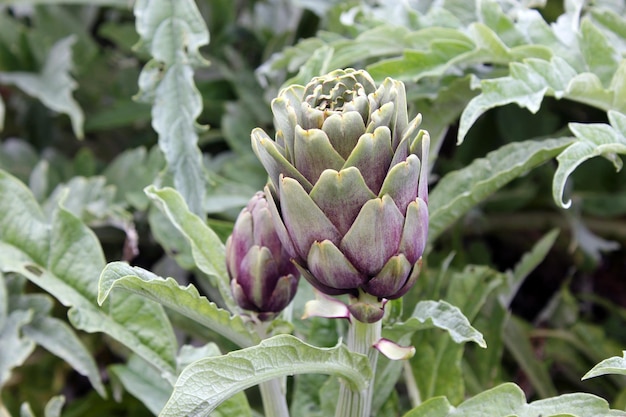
{"points": [[349, 186], [263, 278]]}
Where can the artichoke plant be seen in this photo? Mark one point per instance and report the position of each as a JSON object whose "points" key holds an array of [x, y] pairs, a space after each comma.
{"points": [[263, 279], [348, 186]]}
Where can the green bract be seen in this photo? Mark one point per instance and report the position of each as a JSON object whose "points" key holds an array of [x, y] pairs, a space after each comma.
{"points": [[349, 185]]}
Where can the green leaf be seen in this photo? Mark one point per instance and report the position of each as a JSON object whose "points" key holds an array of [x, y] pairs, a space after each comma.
{"points": [[207, 248], [131, 172], [52, 409], [527, 264], [18, 157], [53, 85], [599, 54], [173, 32], [115, 3], [318, 64], [531, 80], [440, 314], [4, 301], [58, 338], [614, 365], [460, 190], [204, 384], [143, 381], [63, 257], [54, 406], [508, 400], [517, 341], [594, 139], [14, 349], [185, 300], [2, 111], [90, 199]]}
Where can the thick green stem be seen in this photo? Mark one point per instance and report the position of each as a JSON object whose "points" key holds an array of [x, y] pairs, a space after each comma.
{"points": [[274, 403], [411, 386], [361, 338], [272, 392]]}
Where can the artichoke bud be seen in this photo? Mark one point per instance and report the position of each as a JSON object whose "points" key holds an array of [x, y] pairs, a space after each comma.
{"points": [[263, 278], [348, 185]]}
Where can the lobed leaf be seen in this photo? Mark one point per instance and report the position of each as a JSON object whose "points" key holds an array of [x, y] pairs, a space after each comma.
{"points": [[458, 191], [614, 365], [204, 384], [53, 85], [509, 400], [185, 300], [172, 32], [594, 139], [63, 257], [440, 314], [530, 81]]}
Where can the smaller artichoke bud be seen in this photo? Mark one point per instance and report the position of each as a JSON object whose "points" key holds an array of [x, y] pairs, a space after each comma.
{"points": [[263, 279]]}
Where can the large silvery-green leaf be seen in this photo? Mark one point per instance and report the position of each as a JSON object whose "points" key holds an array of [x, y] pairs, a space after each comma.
{"points": [[204, 384], [459, 191], [172, 32], [533, 79], [508, 400], [185, 300], [440, 314], [63, 256], [146, 384], [594, 139], [53, 85], [614, 365], [207, 249]]}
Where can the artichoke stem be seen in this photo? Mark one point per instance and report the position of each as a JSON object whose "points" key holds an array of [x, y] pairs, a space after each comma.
{"points": [[411, 385], [272, 391], [274, 403], [361, 338]]}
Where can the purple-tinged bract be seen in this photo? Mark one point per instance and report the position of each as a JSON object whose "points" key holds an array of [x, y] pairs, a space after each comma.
{"points": [[348, 185], [263, 279]]}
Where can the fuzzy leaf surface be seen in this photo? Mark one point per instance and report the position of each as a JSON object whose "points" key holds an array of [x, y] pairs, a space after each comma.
{"points": [[614, 365], [206, 383], [440, 314], [509, 400], [594, 139], [460, 190], [530, 81], [172, 32], [15, 348], [53, 85], [63, 256], [58, 338], [185, 300], [207, 249]]}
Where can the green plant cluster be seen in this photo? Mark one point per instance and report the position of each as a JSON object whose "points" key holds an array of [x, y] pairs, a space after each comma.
{"points": [[125, 157]]}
